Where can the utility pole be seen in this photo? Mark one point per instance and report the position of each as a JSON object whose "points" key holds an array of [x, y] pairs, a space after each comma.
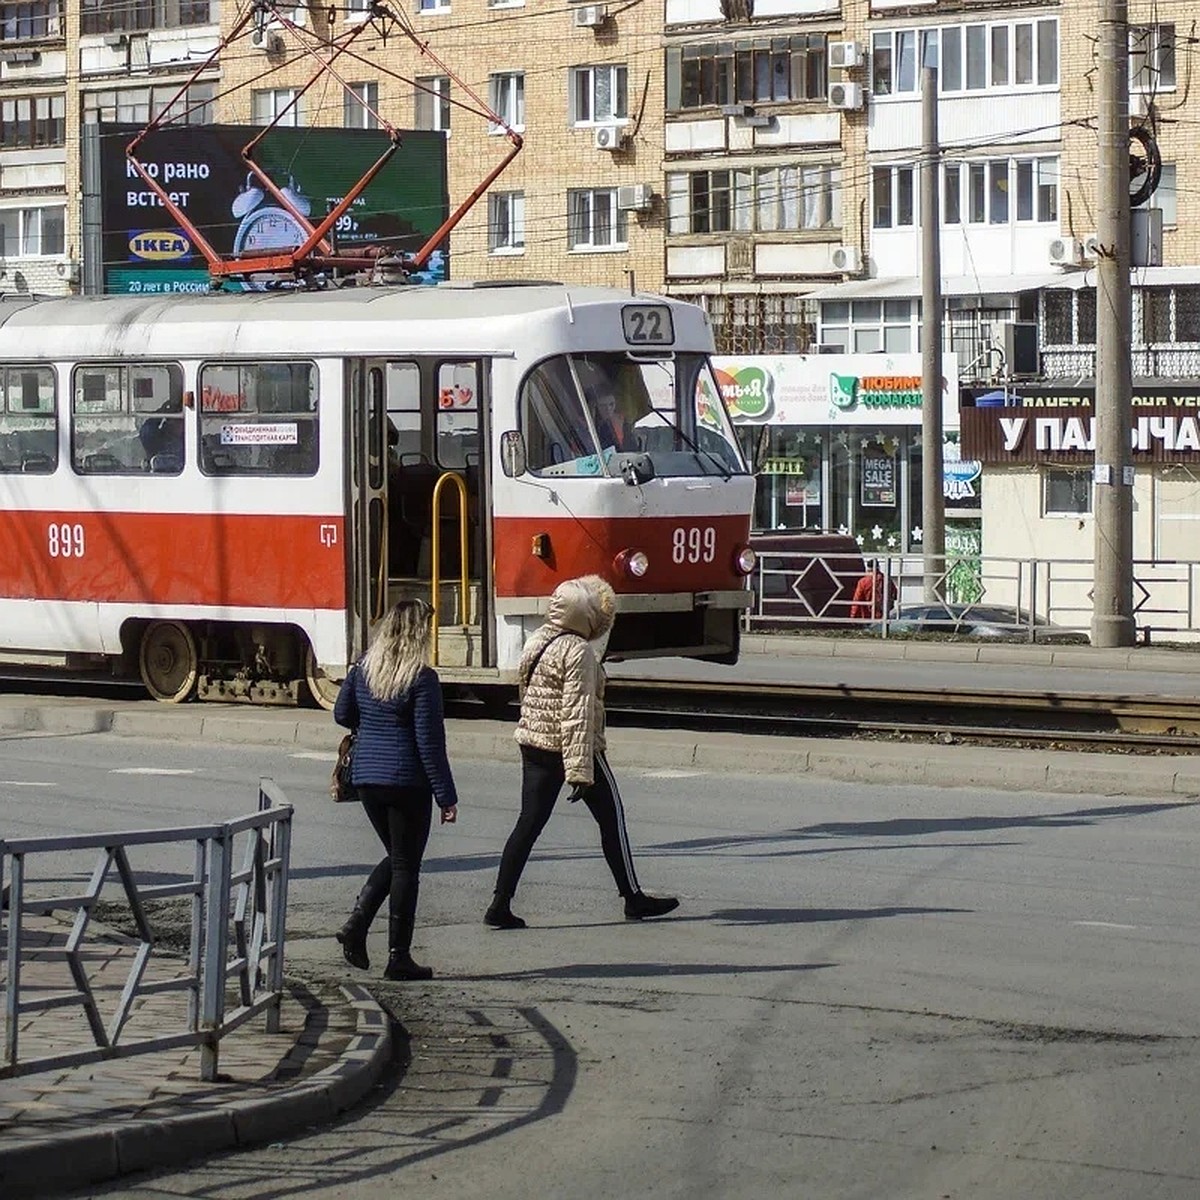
{"points": [[933, 503], [1112, 596]]}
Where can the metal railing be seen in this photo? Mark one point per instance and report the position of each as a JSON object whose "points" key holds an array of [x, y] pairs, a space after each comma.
{"points": [[799, 589], [245, 905]]}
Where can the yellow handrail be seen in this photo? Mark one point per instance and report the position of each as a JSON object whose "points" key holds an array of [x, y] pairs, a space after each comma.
{"points": [[435, 581]]}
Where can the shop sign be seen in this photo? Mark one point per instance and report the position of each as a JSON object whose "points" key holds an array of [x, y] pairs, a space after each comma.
{"points": [[1014, 435], [959, 475], [831, 389], [878, 481]]}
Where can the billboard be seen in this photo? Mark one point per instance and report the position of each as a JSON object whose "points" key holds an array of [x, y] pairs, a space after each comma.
{"points": [[200, 167]]}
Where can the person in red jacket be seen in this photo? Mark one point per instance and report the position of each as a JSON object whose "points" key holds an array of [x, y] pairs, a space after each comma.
{"points": [[868, 601]]}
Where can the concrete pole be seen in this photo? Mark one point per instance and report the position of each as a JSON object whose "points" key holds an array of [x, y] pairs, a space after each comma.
{"points": [[933, 504], [1112, 602]]}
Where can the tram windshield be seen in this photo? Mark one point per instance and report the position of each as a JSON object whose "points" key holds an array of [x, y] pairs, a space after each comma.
{"points": [[585, 414]]}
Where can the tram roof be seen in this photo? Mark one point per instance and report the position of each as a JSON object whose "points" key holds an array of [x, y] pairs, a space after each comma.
{"points": [[241, 322]]}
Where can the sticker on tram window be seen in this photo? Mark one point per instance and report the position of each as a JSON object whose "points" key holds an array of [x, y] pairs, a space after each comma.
{"points": [[282, 433], [647, 325]]}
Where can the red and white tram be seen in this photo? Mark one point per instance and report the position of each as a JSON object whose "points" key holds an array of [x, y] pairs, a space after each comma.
{"points": [[223, 492]]}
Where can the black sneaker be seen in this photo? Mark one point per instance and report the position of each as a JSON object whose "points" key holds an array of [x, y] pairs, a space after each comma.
{"points": [[500, 916], [639, 906]]}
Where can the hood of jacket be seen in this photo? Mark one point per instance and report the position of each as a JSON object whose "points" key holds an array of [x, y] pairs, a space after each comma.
{"points": [[586, 606]]}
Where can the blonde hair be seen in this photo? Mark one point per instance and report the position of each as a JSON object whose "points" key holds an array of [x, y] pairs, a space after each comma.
{"points": [[399, 649]]}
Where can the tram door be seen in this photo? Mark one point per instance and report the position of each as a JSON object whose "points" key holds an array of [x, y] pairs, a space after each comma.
{"points": [[416, 422]]}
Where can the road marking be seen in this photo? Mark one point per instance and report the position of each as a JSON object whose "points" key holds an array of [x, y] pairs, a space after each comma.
{"points": [[672, 773], [319, 755], [150, 771], [1103, 925], [25, 783]]}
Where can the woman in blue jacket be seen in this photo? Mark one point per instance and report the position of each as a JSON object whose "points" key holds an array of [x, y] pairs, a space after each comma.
{"points": [[393, 701]]}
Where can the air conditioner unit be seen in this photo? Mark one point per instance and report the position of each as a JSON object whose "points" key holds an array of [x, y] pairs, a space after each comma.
{"points": [[845, 258], [635, 197], [590, 16], [608, 137], [1065, 252], [114, 41], [845, 54], [845, 95], [1091, 247], [267, 42]]}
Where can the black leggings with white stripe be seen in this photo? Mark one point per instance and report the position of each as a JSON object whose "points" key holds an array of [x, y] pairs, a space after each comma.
{"points": [[542, 778]]}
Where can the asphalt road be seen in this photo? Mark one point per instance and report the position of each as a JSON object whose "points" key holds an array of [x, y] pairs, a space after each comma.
{"points": [[868, 991]]}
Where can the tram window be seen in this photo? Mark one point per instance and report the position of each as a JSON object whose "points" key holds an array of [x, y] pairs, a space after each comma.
{"points": [[404, 411], [127, 420], [552, 417], [458, 415], [259, 419], [28, 421]]}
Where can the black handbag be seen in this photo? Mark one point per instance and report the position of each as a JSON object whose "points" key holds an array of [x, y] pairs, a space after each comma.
{"points": [[341, 789]]}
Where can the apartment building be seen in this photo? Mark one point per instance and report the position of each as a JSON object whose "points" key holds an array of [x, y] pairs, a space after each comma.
{"points": [[582, 85], [63, 68]]}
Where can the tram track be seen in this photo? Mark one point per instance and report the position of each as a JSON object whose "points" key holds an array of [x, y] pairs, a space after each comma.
{"points": [[1050, 720]]}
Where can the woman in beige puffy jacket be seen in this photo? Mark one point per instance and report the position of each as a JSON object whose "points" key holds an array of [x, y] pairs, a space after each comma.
{"points": [[561, 734]]}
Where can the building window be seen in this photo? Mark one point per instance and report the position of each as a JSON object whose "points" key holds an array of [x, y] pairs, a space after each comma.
{"points": [[1187, 314], [745, 200], [599, 94], [1069, 317], [974, 58], [893, 201], [133, 16], [269, 104], [27, 19], [506, 222], [429, 6], [870, 326], [433, 102], [507, 97], [136, 106], [1164, 197], [593, 221], [33, 232], [985, 193], [1156, 315], [1037, 189], [758, 323], [29, 121], [952, 194], [1152, 58], [1066, 491], [360, 103], [757, 72]]}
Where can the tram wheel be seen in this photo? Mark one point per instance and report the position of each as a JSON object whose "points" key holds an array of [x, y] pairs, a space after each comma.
{"points": [[323, 690], [167, 661]]}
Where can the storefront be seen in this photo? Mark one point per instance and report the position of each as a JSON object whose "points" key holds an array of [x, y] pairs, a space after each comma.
{"points": [[836, 442], [1038, 456]]}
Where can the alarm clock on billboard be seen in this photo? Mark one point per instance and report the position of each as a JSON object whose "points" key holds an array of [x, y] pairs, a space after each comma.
{"points": [[267, 226]]}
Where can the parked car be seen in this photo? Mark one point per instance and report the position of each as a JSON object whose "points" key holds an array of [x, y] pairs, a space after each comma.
{"points": [[805, 574], [993, 622]]}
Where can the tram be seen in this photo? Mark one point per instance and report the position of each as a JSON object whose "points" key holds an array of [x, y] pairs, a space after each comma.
{"points": [[222, 493]]}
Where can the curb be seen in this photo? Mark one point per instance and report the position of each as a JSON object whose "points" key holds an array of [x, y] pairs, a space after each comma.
{"points": [[79, 1159]]}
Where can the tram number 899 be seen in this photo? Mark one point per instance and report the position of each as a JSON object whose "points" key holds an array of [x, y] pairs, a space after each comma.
{"points": [[694, 545], [65, 541]]}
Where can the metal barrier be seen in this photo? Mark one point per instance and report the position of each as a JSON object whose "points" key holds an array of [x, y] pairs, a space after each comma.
{"points": [[805, 590], [250, 900]]}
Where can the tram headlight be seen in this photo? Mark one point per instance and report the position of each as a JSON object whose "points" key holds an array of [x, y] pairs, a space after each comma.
{"points": [[745, 560], [633, 562]]}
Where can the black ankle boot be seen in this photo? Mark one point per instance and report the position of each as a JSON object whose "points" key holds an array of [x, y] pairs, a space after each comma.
{"points": [[639, 906], [501, 916], [353, 939], [401, 966]]}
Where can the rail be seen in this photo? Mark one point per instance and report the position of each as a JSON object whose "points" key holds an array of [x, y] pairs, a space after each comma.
{"points": [[435, 554], [245, 904], [1038, 599]]}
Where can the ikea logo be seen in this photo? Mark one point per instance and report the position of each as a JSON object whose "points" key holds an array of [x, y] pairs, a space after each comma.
{"points": [[158, 245]]}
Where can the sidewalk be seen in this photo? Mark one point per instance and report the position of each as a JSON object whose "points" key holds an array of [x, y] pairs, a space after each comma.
{"points": [[66, 1128]]}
